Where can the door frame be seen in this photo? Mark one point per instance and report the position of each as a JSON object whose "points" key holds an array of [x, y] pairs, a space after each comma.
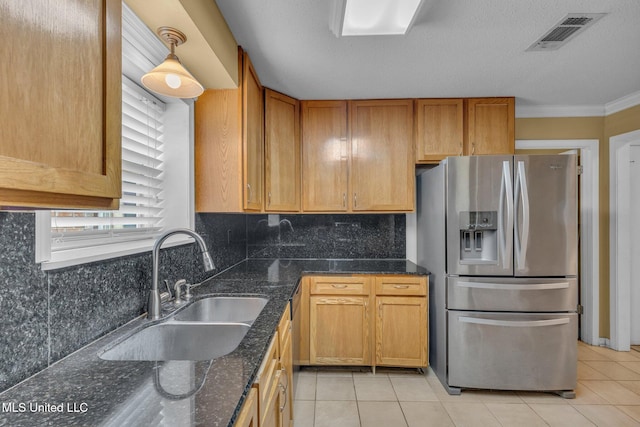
{"points": [[619, 241], [589, 228]]}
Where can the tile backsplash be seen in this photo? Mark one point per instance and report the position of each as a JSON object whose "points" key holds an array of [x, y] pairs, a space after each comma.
{"points": [[45, 316]]}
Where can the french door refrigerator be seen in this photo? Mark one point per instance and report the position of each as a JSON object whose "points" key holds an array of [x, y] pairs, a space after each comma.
{"points": [[499, 236]]}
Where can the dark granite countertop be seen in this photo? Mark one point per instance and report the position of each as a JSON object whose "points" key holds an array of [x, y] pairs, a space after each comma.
{"points": [[84, 390]]}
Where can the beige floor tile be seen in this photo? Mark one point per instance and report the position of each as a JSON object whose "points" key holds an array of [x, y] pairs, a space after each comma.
{"points": [[303, 413], [634, 386], [560, 415], [607, 416], [495, 396], [335, 372], [425, 414], [544, 398], [613, 392], [472, 414], [613, 370], [381, 414], [585, 396], [515, 414], [306, 388], [586, 372], [586, 352], [618, 356], [634, 366], [413, 389], [378, 389], [632, 411], [335, 388], [336, 414]]}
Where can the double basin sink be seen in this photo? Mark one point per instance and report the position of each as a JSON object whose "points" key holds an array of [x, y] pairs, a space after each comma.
{"points": [[205, 329]]}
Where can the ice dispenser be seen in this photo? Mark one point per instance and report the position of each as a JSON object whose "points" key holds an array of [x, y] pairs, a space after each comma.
{"points": [[479, 237]]}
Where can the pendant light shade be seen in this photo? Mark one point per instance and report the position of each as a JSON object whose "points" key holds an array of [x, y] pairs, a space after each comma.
{"points": [[170, 78]]}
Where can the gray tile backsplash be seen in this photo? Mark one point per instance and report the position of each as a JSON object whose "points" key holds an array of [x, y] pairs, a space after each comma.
{"points": [[326, 236], [45, 316]]}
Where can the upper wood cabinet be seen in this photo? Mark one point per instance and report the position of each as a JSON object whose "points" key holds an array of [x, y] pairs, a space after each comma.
{"points": [[325, 156], [470, 127], [382, 159], [60, 131], [490, 126], [368, 168], [439, 129], [282, 152], [229, 145]]}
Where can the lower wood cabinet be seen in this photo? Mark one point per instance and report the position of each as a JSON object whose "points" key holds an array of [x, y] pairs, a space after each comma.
{"points": [[365, 320], [285, 398], [273, 386], [248, 416]]}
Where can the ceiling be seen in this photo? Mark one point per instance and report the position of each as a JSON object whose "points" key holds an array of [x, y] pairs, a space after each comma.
{"points": [[456, 48]]}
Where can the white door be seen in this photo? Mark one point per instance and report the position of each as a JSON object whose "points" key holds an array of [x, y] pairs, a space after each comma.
{"points": [[634, 207]]}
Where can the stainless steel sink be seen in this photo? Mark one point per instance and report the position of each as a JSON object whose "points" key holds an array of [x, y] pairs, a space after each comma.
{"points": [[223, 309], [179, 341]]}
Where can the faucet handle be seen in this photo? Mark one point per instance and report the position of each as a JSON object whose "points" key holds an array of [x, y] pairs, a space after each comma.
{"points": [[165, 296]]}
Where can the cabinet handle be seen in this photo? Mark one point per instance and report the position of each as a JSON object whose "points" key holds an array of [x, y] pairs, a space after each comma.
{"points": [[269, 196], [355, 200], [380, 309], [284, 388], [461, 148], [401, 286], [344, 200], [248, 193], [339, 286], [473, 148]]}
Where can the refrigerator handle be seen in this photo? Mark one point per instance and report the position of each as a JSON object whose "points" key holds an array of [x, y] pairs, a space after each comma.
{"points": [[515, 323], [522, 236], [506, 194]]}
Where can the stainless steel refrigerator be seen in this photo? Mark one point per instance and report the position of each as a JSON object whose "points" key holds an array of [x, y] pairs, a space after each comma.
{"points": [[499, 235]]}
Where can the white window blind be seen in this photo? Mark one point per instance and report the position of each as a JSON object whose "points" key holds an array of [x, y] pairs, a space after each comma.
{"points": [[142, 205]]}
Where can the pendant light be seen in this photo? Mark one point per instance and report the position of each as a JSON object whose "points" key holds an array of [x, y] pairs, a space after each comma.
{"points": [[170, 78]]}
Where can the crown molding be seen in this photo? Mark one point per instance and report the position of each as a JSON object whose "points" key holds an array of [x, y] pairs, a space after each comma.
{"points": [[538, 111], [541, 111], [623, 103]]}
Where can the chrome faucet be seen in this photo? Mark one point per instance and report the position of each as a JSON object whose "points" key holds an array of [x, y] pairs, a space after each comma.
{"points": [[155, 308]]}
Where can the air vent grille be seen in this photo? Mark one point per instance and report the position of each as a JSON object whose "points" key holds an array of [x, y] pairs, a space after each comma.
{"points": [[568, 27]]}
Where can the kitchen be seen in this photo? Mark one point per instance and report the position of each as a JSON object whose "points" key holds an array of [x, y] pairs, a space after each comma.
{"points": [[44, 326]]}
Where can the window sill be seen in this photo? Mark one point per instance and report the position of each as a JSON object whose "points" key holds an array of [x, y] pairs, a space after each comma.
{"points": [[73, 257]]}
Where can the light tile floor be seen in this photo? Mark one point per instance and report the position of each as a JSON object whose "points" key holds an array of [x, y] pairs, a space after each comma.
{"points": [[608, 394]]}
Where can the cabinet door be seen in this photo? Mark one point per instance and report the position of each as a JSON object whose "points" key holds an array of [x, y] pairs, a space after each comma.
{"points": [[401, 331], [490, 126], [325, 154], [252, 136], [382, 159], [339, 330], [439, 129], [282, 152], [60, 138], [286, 384], [248, 416]]}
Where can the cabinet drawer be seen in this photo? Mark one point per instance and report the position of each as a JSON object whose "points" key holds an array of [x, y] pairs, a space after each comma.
{"points": [[401, 285], [332, 285]]}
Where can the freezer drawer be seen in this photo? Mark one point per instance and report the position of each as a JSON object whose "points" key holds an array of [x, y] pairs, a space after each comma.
{"points": [[512, 294], [512, 351]]}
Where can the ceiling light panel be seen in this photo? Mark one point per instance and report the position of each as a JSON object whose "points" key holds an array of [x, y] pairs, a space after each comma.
{"points": [[378, 17]]}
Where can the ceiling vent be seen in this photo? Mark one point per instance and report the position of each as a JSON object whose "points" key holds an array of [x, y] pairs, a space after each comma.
{"points": [[568, 27]]}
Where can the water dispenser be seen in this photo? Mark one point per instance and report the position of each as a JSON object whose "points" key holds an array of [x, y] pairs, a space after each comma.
{"points": [[479, 237]]}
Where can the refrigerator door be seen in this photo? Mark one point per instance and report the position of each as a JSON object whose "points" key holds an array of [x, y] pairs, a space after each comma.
{"points": [[546, 215], [513, 351], [480, 215]]}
